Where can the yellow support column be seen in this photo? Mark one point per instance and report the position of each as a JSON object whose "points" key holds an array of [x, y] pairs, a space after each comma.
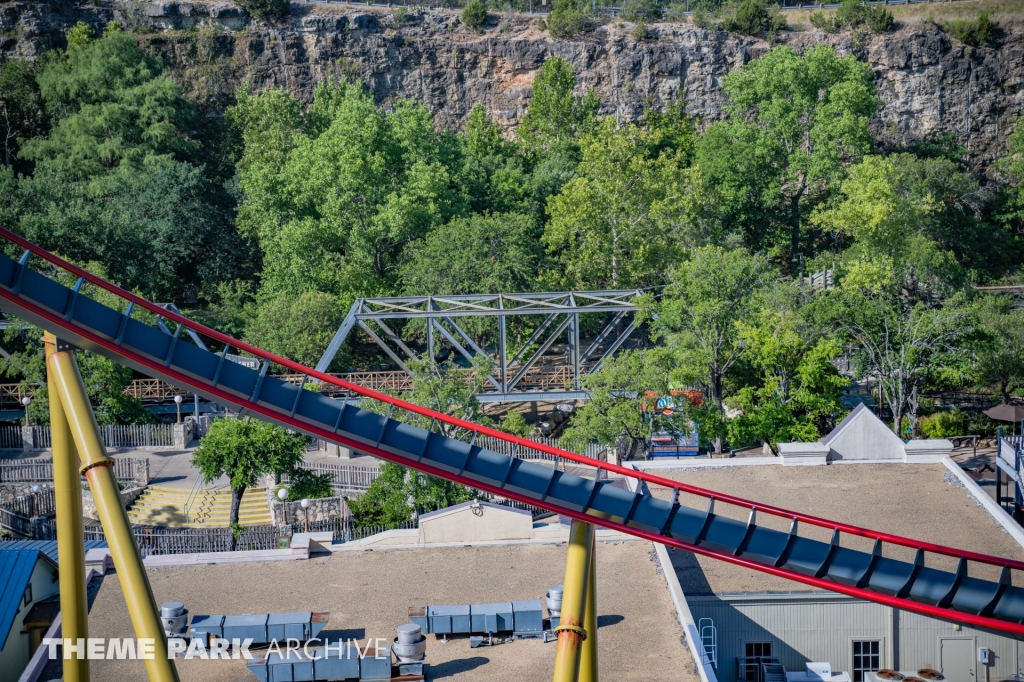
{"points": [[574, 597], [588, 661], [98, 469], [67, 491]]}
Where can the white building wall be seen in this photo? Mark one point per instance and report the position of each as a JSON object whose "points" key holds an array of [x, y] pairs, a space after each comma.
{"points": [[806, 627]]}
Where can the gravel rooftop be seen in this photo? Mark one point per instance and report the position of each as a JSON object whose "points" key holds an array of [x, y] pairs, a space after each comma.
{"points": [[368, 595], [914, 501]]}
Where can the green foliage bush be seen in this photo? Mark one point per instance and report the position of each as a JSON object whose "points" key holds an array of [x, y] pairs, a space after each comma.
{"points": [[973, 32], [566, 20], [853, 14], [751, 17], [943, 425], [641, 11], [639, 31], [474, 16], [266, 10]]}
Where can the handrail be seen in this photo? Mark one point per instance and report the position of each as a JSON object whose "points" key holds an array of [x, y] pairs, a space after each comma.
{"points": [[192, 495], [719, 498]]}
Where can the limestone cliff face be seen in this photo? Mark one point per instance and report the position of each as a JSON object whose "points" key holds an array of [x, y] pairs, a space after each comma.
{"points": [[926, 80]]}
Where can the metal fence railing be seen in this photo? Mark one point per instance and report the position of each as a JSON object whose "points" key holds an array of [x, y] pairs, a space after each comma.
{"points": [[114, 436], [37, 470], [154, 540], [593, 450], [344, 478]]}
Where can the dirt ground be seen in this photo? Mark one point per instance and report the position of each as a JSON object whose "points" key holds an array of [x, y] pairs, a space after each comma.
{"points": [[368, 595], [910, 500]]}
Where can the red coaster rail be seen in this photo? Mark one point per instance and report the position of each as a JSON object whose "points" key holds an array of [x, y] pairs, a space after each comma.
{"points": [[70, 314]]}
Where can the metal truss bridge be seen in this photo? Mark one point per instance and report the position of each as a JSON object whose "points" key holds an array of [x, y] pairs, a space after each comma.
{"points": [[942, 582], [525, 372]]}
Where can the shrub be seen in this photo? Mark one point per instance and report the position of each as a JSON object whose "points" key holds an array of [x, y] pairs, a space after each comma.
{"points": [[749, 18], [267, 10], [474, 16], [973, 32], [641, 10], [853, 14], [829, 23], [943, 424], [639, 31], [566, 19], [877, 18]]}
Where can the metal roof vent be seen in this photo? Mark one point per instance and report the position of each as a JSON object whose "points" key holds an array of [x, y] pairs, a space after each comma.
{"points": [[410, 645], [554, 601], [174, 617]]}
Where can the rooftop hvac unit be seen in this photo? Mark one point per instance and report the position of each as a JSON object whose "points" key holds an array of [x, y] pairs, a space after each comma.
{"points": [[335, 662], [261, 628], [520, 618]]}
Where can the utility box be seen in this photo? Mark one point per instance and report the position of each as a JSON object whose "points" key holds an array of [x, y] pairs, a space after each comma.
{"points": [[376, 664], [449, 619], [246, 626], [336, 662], [418, 615], [491, 618], [527, 616], [284, 626], [203, 627]]}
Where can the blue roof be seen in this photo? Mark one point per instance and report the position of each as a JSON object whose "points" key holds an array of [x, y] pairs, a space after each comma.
{"points": [[16, 568], [47, 547]]}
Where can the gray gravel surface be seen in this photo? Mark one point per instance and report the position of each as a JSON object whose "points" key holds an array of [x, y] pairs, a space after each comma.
{"points": [[909, 500], [369, 593]]}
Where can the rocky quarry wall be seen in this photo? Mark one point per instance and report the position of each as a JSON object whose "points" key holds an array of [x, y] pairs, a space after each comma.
{"points": [[926, 80]]}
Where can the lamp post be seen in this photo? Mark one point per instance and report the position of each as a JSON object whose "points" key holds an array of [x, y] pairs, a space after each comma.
{"points": [[25, 401], [305, 508], [177, 406], [282, 495]]}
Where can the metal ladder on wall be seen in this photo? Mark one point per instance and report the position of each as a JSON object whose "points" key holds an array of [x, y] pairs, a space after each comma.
{"points": [[709, 640], [408, 434]]}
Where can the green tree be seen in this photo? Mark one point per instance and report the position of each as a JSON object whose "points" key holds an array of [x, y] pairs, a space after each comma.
{"points": [[353, 186], [398, 492], [474, 15], [245, 450], [607, 227], [494, 176], [567, 18], [1012, 165], [617, 409], [999, 348], [797, 393], [21, 107], [794, 123], [498, 253], [111, 104], [296, 327], [556, 117], [891, 214], [904, 344], [267, 10], [156, 228], [698, 314]]}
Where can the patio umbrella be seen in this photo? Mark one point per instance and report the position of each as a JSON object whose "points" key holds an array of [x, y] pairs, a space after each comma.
{"points": [[1005, 413]]}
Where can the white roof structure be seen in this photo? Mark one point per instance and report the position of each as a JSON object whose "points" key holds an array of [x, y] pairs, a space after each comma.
{"points": [[862, 435]]}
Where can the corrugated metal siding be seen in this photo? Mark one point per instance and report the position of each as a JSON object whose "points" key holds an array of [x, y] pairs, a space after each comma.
{"points": [[15, 571], [919, 645], [47, 547], [809, 627]]}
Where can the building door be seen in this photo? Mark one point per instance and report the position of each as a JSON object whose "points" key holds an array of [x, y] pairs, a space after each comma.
{"points": [[957, 659]]}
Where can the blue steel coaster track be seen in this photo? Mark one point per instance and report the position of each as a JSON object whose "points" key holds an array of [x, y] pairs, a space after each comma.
{"points": [[875, 575]]}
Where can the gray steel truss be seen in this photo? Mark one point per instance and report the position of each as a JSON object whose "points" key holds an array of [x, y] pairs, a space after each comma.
{"points": [[561, 313]]}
